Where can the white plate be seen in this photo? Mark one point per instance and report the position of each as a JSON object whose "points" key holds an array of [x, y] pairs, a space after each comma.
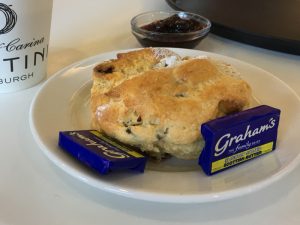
{"points": [[63, 104]]}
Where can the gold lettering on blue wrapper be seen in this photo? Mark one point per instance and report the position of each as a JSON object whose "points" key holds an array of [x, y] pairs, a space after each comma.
{"points": [[123, 148], [106, 151]]}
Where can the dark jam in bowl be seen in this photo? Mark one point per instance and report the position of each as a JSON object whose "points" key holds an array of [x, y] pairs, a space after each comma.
{"points": [[182, 29], [174, 24]]}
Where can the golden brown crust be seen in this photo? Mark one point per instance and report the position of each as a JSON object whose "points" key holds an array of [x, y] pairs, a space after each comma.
{"points": [[161, 110]]}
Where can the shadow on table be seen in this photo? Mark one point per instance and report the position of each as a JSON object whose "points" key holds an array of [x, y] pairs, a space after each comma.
{"points": [[191, 213]]}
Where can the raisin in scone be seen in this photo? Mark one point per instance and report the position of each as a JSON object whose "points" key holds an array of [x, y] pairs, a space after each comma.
{"points": [[142, 100]]}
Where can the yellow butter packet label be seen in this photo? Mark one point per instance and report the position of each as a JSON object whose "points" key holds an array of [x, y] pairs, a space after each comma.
{"points": [[239, 137]]}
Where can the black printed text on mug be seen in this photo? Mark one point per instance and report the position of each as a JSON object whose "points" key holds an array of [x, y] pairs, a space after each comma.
{"points": [[10, 18]]}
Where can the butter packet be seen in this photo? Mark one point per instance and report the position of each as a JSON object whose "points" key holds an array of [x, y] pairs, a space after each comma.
{"points": [[97, 151], [239, 137]]}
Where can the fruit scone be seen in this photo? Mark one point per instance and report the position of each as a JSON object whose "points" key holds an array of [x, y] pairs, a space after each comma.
{"points": [[155, 100]]}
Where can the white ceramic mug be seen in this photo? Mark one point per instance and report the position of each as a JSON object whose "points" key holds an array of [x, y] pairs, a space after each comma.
{"points": [[24, 38]]}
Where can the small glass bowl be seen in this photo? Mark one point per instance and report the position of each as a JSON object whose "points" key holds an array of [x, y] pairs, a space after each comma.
{"points": [[160, 39]]}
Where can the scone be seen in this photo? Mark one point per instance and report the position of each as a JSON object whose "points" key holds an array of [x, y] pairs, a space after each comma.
{"points": [[140, 100]]}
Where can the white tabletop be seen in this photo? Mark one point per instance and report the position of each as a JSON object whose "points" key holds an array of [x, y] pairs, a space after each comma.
{"points": [[34, 191]]}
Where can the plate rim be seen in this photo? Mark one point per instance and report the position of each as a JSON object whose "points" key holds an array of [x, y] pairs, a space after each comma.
{"points": [[144, 195]]}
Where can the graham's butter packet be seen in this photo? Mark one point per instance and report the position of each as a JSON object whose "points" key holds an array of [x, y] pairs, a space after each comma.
{"points": [[99, 152], [239, 137]]}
